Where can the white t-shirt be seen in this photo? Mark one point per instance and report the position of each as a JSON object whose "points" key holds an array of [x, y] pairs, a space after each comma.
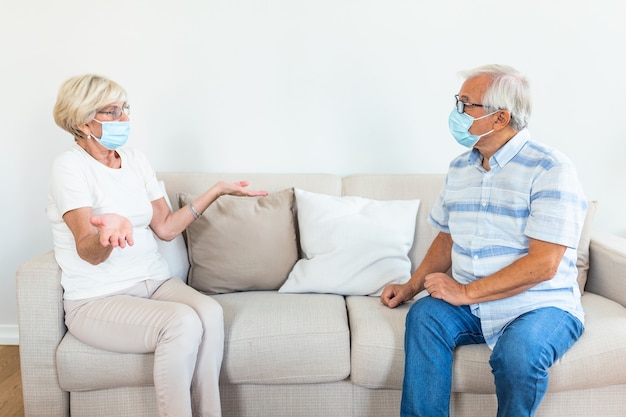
{"points": [[78, 180]]}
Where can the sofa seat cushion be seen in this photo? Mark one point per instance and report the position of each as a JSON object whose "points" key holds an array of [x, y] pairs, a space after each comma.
{"points": [[270, 338], [378, 350], [273, 338], [84, 368]]}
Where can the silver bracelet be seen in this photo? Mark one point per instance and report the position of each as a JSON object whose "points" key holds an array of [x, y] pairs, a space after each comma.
{"points": [[194, 212]]}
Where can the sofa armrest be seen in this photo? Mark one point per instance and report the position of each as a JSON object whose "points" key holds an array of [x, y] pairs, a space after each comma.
{"points": [[607, 266], [41, 327]]}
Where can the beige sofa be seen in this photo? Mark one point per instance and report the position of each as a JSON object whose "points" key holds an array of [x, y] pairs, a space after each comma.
{"points": [[325, 355]]}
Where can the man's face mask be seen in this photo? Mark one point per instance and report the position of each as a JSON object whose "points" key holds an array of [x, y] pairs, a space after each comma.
{"points": [[459, 124]]}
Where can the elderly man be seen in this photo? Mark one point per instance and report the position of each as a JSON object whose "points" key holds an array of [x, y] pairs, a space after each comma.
{"points": [[509, 219]]}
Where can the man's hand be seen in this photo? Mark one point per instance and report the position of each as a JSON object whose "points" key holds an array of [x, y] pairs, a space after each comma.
{"points": [[438, 258], [114, 230], [444, 287], [395, 294]]}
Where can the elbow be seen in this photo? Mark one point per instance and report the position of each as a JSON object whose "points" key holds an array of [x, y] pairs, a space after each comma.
{"points": [[545, 260], [94, 257], [164, 232], [549, 271], [168, 237], [91, 260]]}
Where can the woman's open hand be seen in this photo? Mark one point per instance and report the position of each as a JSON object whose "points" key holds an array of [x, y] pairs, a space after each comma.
{"points": [[238, 189], [113, 229]]}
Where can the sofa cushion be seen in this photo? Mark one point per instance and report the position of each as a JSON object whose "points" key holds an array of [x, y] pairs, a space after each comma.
{"points": [[270, 338], [276, 338], [82, 367], [378, 352], [377, 334], [242, 243], [351, 245]]}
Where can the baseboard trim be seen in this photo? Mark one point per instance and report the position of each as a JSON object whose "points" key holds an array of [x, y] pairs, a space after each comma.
{"points": [[9, 334]]}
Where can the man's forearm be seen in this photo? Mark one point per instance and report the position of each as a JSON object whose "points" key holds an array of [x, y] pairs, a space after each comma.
{"points": [[540, 264], [437, 259]]}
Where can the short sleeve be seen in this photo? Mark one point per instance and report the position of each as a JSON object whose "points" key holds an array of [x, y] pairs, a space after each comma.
{"points": [[69, 186], [439, 215], [557, 206]]}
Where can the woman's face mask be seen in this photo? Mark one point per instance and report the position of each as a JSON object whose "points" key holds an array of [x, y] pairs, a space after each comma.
{"points": [[114, 134], [460, 123]]}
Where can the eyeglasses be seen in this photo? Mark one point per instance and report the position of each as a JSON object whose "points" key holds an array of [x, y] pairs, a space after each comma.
{"points": [[116, 112], [460, 105]]}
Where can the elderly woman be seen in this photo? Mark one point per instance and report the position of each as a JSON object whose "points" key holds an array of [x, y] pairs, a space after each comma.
{"points": [[104, 204]]}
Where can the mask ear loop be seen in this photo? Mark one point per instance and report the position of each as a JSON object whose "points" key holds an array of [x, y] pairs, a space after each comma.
{"points": [[89, 135], [492, 126], [486, 115]]}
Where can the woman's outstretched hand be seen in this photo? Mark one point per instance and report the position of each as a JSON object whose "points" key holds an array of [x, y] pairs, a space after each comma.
{"points": [[113, 230], [238, 189]]}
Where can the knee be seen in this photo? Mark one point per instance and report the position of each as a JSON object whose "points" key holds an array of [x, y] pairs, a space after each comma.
{"points": [[212, 315], [418, 309], [422, 321], [517, 359], [422, 311], [185, 323]]}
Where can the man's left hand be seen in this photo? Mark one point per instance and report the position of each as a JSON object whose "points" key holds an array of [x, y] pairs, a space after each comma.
{"points": [[444, 287]]}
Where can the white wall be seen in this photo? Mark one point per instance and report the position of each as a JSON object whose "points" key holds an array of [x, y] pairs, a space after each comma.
{"points": [[339, 86]]}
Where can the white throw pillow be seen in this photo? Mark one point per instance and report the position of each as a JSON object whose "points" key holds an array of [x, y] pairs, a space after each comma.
{"points": [[351, 245], [174, 252]]}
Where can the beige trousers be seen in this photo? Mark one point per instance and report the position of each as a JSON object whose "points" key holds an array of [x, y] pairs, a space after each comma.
{"points": [[184, 329]]}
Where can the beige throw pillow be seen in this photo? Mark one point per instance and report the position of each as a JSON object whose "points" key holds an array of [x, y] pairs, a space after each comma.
{"points": [[583, 245], [242, 243]]}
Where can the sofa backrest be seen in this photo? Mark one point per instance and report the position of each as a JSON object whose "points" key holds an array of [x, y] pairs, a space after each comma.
{"points": [[424, 187], [196, 183]]}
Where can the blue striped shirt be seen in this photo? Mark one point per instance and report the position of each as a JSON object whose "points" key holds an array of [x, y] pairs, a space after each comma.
{"points": [[531, 191]]}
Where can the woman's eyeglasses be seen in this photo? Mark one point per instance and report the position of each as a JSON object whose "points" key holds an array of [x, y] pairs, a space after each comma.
{"points": [[116, 112]]}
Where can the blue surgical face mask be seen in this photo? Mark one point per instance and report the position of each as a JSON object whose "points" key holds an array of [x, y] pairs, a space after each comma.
{"points": [[114, 134], [460, 123]]}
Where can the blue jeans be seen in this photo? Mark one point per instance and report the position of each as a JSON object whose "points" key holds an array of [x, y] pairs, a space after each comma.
{"points": [[519, 361]]}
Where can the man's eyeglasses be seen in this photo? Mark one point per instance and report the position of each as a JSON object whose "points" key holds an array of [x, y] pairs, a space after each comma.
{"points": [[116, 112], [460, 105]]}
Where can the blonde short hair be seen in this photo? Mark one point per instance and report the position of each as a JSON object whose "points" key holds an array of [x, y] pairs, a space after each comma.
{"points": [[79, 99]]}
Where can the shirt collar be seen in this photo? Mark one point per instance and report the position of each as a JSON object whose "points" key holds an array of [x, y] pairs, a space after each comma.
{"points": [[504, 155]]}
